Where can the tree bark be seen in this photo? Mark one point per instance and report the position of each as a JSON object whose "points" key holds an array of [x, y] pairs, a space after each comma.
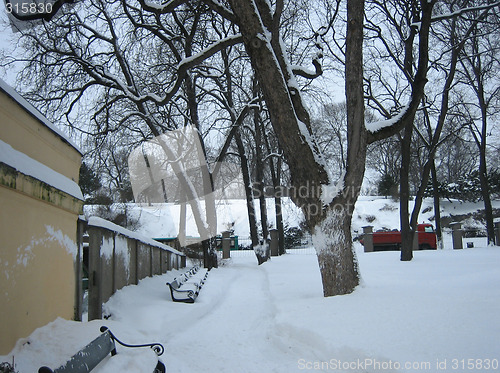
{"points": [[483, 178], [276, 178], [209, 250], [407, 232], [278, 206], [329, 222], [332, 236], [248, 190], [483, 171], [259, 172], [418, 84], [437, 206]]}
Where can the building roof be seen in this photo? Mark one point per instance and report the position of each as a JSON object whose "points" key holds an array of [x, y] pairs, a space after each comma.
{"points": [[20, 100]]}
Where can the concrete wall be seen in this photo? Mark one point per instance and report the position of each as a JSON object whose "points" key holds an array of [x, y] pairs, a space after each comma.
{"points": [[38, 229], [118, 257]]}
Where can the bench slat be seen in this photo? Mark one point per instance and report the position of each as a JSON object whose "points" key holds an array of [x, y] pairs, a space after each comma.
{"points": [[87, 358], [91, 355]]}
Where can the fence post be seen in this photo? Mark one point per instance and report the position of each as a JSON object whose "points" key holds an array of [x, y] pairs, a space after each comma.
{"points": [[497, 233], [368, 238], [457, 236], [415, 240], [81, 228], [226, 245], [274, 242], [95, 296]]}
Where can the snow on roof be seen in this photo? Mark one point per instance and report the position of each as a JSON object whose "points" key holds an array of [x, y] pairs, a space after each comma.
{"points": [[102, 223], [39, 171], [12, 93]]}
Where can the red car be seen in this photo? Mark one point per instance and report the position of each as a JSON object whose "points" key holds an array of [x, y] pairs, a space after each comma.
{"points": [[391, 240]]}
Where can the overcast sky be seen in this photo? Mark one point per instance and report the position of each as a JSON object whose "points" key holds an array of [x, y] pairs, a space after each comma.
{"points": [[6, 43]]}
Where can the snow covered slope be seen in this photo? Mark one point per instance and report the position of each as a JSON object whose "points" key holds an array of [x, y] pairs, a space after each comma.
{"points": [[162, 220]]}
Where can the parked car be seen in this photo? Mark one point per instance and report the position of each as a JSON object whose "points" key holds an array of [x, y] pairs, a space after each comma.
{"points": [[391, 240]]}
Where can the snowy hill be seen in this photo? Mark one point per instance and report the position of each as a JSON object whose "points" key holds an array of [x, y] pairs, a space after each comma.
{"points": [[162, 220]]}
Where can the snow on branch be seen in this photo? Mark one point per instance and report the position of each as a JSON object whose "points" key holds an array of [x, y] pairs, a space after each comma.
{"points": [[332, 189], [210, 51], [273, 155], [166, 7], [464, 10], [184, 65], [376, 126], [170, 5], [301, 71]]}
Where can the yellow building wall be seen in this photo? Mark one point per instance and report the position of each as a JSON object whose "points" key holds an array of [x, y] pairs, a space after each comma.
{"points": [[37, 278], [38, 228], [26, 134]]}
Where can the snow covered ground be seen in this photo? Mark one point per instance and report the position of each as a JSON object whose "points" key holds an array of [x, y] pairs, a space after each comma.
{"points": [[432, 314]]}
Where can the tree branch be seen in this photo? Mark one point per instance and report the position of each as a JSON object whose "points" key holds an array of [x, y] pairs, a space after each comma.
{"points": [[462, 11]]}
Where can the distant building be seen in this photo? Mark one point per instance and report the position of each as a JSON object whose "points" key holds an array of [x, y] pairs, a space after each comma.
{"points": [[40, 202]]}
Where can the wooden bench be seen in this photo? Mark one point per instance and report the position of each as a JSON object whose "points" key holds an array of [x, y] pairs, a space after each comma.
{"points": [[186, 287], [91, 355]]}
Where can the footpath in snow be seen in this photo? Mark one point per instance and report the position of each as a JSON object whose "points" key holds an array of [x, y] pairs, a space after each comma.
{"points": [[438, 313]]}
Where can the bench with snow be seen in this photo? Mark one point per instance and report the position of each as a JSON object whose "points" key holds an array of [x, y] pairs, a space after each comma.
{"points": [[186, 287], [91, 355]]}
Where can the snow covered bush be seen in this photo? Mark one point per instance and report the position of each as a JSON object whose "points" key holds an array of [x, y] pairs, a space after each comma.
{"points": [[6, 368]]}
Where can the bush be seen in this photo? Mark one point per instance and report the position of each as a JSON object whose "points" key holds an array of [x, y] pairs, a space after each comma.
{"points": [[293, 237], [6, 368], [387, 186], [467, 188]]}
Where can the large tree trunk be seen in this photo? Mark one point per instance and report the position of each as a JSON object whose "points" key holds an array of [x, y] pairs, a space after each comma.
{"points": [[333, 243], [328, 218]]}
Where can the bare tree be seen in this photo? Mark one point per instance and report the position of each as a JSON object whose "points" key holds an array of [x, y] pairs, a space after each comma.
{"points": [[150, 90], [330, 129], [480, 64], [456, 42], [407, 21]]}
